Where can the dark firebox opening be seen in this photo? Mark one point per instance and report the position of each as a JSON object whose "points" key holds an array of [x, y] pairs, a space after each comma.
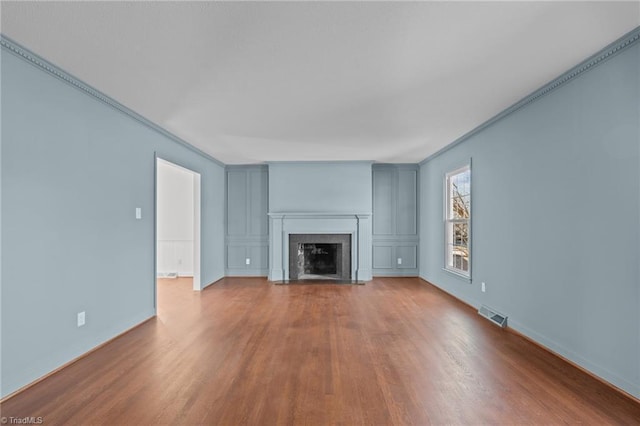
{"points": [[325, 257], [318, 259]]}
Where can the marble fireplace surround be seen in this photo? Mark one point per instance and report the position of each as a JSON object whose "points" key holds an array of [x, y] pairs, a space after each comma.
{"points": [[281, 225]]}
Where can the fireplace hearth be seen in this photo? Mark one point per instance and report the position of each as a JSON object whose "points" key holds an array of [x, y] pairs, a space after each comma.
{"points": [[320, 257]]}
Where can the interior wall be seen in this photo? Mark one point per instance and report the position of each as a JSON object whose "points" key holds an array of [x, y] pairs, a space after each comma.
{"points": [[320, 197], [555, 219], [395, 220], [175, 223], [309, 187], [247, 224], [73, 172]]}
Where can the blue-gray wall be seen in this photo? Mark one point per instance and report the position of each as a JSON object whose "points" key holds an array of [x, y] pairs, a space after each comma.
{"points": [[395, 220], [73, 172], [247, 224], [332, 197], [319, 187], [556, 219]]}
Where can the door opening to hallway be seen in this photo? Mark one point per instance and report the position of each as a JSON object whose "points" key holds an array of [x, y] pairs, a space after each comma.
{"points": [[177, 226]]}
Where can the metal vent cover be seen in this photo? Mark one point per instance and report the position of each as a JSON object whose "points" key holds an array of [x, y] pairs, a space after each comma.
{"points": [[493, 316]]}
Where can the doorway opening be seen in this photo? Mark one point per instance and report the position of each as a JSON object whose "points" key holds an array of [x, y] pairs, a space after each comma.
{"points": [[177, 225]]}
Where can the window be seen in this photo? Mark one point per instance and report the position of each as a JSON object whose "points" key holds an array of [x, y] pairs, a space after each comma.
{"points": [[458, 221]]}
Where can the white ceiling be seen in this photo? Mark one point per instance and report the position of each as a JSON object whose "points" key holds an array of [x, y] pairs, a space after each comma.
{"points": [[249, 82]]}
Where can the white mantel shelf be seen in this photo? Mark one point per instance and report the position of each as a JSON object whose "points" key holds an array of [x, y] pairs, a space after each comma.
{"points": [[282, 224], [315, 214]]}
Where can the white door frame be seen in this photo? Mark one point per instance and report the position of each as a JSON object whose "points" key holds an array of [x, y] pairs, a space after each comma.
{"points": [[197, 206]]}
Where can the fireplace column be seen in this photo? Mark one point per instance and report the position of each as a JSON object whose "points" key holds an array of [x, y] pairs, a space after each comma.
{"points": [[364, 249], [276, 234]]}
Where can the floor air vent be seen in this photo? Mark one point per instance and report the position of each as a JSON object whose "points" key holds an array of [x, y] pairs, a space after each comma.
{"points": [[493, 316]]}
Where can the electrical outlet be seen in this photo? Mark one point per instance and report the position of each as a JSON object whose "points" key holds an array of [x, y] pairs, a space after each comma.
{"points": [[399, 261], [81, 318], [484, 287], [138, 213], [247, 261]]}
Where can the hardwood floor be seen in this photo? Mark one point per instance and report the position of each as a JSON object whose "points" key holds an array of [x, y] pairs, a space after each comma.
{"points": [[391, 352]]}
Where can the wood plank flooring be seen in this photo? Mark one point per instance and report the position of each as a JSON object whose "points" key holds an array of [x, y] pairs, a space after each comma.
{"points": [[391, 352]]}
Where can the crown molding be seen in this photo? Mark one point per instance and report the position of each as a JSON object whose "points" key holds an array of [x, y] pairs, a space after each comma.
{"points": [[319, 162], [41, 63], [598, 58], [260, 167], [402, 166]]}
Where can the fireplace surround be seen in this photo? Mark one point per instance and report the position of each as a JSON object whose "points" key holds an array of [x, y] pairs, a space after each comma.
{"points": [[356, 226]]}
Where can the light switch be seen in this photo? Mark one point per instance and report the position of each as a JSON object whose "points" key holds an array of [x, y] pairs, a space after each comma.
{"points": [[138, 213]]}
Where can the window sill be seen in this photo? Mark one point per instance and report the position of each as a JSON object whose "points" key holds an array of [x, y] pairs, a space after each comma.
{"points": [[459, 275]]}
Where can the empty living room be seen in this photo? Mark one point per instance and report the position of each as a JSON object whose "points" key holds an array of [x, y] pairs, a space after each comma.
{"points": [[320, 212]]}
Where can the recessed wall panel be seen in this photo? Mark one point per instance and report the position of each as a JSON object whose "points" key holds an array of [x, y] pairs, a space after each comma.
{"points": [[383, 202], [406, 208], [236, 257], [258, 199], [236, 203], [408, 256], [382, 257]]}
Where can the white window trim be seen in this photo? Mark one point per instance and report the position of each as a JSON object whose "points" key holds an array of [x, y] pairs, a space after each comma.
{"points": [[446, 221]]}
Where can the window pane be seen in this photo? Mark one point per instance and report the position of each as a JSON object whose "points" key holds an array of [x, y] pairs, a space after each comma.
{"points": [[460, 234], [461, 207], [458, 209], [459, 198], [458, 246]]}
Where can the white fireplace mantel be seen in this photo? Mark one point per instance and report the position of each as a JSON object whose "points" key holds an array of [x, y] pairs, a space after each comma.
{"points": [[281, 224]]}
